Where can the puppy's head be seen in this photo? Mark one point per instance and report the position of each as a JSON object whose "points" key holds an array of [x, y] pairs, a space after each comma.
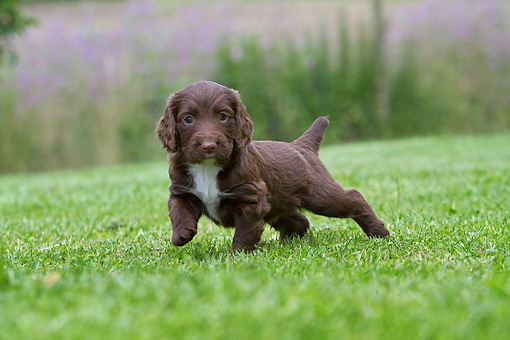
{"points": [[205, 121]]}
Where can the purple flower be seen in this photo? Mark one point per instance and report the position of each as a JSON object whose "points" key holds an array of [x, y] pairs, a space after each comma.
{"points": [[473, 29], [96, 54]]}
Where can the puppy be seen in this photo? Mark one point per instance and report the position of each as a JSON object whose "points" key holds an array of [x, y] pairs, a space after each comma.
{"points": [[217, 170]]}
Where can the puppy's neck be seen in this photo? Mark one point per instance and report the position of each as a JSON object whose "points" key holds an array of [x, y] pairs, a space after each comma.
{"points": [[205, 181]]}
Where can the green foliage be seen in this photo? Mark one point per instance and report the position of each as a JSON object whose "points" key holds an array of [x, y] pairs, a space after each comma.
{"points": [[122, 132], [105, 113], [286, 85], [87, 255], [12, 22]]}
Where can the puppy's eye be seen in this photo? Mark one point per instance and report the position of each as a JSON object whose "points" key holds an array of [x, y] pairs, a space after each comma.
{"points": [[188, 119], [223, 116]]}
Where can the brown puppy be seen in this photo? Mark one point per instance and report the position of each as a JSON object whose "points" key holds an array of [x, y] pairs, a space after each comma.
{"points": [[217, 170]]}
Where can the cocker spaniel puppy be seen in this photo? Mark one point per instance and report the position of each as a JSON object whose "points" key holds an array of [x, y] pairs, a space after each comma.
{"points": [[217, 170]]}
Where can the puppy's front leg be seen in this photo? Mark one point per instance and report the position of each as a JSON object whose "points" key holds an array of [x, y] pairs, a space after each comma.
{"points": [[184, 214], [247, 234], [249, 202]]}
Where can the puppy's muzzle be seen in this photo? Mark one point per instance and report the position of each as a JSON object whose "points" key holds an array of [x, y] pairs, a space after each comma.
{"points": [[209, 146]]}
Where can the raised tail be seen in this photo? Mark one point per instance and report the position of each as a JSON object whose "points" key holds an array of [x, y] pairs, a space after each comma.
{"points": [[312, 137]]}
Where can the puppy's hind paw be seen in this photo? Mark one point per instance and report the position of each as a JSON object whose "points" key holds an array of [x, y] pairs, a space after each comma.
{"points": [[380, 232]]}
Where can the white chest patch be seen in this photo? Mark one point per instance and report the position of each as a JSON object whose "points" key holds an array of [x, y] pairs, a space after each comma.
{"points": [[206, 186]]}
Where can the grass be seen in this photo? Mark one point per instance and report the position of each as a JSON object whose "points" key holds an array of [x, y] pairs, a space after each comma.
{"points": [[86, 254]]}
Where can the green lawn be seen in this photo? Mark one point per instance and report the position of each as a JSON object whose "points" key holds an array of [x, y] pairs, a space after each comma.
{"points": [[86, 255]]}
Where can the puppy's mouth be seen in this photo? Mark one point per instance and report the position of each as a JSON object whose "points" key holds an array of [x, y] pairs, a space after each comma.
{"points": [[217, 158], [209, 161]]}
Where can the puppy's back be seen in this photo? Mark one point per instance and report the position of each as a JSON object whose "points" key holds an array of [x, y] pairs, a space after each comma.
{"points": [[292, 162]]}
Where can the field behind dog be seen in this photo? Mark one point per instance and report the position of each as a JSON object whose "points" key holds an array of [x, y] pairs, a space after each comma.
{"points": [[88, 83], [86, 254]]}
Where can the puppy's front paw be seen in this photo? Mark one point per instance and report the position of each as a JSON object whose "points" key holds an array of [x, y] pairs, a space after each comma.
{"points": [[239, 247], [182, 236]]}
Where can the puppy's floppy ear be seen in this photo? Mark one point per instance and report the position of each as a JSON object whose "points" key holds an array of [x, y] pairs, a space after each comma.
{"points": [[244, 128], [167, 127]]}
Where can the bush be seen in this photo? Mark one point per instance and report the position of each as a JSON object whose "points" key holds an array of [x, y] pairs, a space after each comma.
{"points": [[12, 22], [433, 86]]}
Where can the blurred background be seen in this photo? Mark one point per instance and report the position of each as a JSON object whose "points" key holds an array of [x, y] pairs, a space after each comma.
{"points": [[84, 83]]}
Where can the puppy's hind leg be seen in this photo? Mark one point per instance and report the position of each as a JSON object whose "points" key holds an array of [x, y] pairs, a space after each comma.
{"points": [[292, 225], [329, 199]]}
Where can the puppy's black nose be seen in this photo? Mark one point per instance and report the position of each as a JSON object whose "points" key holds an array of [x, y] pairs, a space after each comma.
{"points": [[208, 146]]}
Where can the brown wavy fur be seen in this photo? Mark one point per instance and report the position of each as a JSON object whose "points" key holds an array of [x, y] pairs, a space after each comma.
{"points": [[259, 182]]}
